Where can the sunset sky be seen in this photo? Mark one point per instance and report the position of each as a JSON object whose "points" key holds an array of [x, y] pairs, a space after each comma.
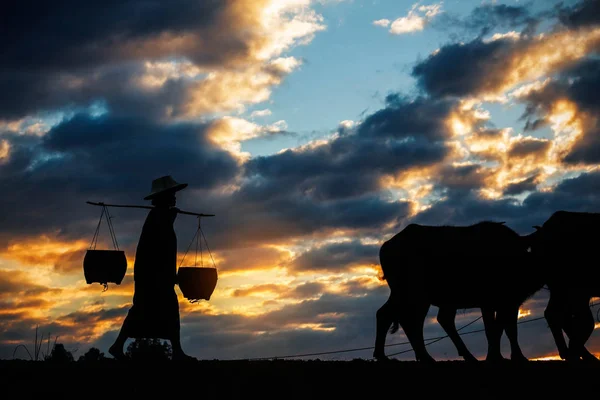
{"points": [[313, 129]]}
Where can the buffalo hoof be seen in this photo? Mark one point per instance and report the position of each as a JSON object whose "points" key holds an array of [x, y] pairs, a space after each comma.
{"points": [[495, 359], [427, 360], [589, 358], [470, 358], [381, 357], [519, 359], [572, 357]]}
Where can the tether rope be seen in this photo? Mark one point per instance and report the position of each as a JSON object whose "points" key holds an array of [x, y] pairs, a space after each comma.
{"points": [[429, 340]]}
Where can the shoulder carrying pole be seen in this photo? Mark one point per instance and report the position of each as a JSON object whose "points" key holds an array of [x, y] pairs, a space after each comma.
{"points": [[148, 207]]}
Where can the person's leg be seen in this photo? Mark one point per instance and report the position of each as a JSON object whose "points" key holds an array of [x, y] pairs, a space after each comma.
{"points": [[116, 350], [178, 353]]}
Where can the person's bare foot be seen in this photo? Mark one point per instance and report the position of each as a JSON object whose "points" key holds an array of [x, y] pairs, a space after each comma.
{"points": [[116, 352]]}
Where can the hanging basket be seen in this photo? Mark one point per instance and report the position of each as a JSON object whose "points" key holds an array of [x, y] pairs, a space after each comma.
{"points": [[197, 283], [104, 266]]}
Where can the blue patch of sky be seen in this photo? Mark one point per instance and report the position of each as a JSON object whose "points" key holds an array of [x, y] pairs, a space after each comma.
{"points": [[349, 68]]}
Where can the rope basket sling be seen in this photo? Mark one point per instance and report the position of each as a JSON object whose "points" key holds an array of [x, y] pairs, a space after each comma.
{"points": [[197, 283], [104, 266]]}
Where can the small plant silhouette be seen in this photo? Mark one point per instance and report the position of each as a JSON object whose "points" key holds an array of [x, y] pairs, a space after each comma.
{"points": [[149, 349], [38, 355]]}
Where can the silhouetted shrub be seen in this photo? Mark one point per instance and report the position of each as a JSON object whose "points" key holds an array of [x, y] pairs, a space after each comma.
{"points": [[92, 355], [60, 355], [149, 349]]}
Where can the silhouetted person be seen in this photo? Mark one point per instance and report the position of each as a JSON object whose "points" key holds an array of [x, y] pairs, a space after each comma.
{"points": [[155, 310]]}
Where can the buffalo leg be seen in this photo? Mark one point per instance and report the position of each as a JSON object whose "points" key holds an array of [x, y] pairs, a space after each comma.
{"points": [[412, 318], [508, 317], [493, 333], [385, 317], [581, 328], [557, 315], [446, 318]]}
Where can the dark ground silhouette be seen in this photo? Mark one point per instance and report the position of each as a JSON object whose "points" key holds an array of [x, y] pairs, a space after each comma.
{"points": [[299, 379]]}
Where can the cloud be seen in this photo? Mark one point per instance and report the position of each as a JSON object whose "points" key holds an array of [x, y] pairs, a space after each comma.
{"points": [[470, 176], [14, 284], [182, 58], [487, 17], [336, 184], [526, 185], [581, 14], [301, 291], [260, 113], [489, 68], [462, 208], [98, 159], [324, 187], [64, 256], [417, 19], [336, 257], [384, 23], [529, 146], [569, 108]]}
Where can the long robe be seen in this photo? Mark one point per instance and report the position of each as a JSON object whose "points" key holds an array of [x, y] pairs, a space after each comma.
{"points": [[155, 310]]}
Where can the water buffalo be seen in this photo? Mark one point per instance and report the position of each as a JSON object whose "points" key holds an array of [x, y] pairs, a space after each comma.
{"points": [[455, 267], [565, 246]]}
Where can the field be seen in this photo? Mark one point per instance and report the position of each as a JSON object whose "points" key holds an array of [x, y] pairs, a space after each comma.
{"points": [[298, 379]]}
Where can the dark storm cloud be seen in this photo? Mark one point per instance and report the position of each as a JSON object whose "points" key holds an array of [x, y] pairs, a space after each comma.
{"points": [[529, 184], [575, 194], [578, 84], [336, 257], [404, 134], [346, 167], [70, 34], [404, 118], [310, 191], [254, 216], [529, 146], [307, 290], [462, 177], [464, 69], [581, 14], [487, 17], [112, 86], [335, 185], [483, 66], [67, 54], [464, 208], [99, 159], [89, 319]]}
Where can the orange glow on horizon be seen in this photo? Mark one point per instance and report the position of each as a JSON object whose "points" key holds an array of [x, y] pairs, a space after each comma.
{"points": [[43, 250], [524, 313]]}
